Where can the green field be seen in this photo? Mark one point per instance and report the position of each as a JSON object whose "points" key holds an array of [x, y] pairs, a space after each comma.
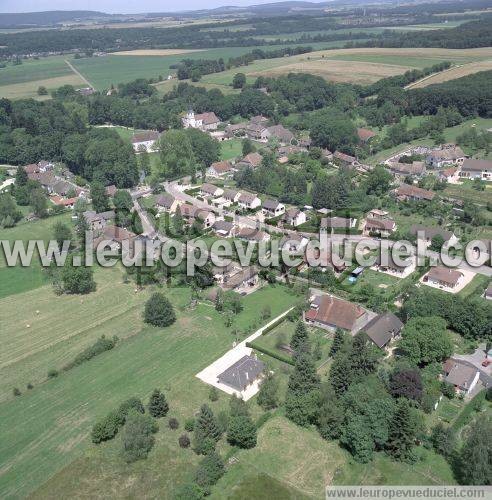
{"points": [[231, 149], [32, 69], [23, 81], [21, 279], [114, 69], [46, 428]]}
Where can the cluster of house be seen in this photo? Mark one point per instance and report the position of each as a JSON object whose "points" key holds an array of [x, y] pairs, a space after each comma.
{"points": [[447, 161], [257, 129], [60, 188], [332, 313]]}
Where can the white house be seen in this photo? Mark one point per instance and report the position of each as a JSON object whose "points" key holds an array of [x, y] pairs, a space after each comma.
{"points": [[211, 190], [477, 169], [203, 121], [273, 208], [445, 156], [294, 217], [220, 169], [249, 201], [145, 140]]}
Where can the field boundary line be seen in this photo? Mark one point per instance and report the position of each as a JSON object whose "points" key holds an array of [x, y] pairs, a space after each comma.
{"points": [[78, 73]]}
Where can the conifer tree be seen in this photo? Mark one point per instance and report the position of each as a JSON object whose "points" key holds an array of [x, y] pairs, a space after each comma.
{"points": [[338, 341], [300, 336], [158, 406], [403, 431], [206, 432], [302, 399]]}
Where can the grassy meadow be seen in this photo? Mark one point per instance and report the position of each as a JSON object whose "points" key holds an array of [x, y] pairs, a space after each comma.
{"points": [[48, 426], [19, 279]]}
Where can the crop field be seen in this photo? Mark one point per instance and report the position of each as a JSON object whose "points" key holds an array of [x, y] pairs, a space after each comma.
{"points": [[114, 69], [23, 81], [48, 426], [453, 73], [360, 65]]}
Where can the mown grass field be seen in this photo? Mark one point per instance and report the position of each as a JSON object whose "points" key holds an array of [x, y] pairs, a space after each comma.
{"points": [[24, 80], [47, 428], [21, 279]]}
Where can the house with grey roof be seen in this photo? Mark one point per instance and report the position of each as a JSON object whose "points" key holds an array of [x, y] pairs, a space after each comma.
{"points": [[476, 169], [223, 228], [166, 202], [383, 328], [272, 208], [427, 233], [463, 376], [242, 374], [98, 221]]}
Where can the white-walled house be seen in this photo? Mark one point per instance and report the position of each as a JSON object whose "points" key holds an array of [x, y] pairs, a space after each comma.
{"points": [[273, 208], [294, 217], [145, 140], [202, 121], [249, 201]]}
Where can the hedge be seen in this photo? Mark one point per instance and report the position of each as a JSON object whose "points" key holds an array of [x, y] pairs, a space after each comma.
{"points": [[269, 328], [270, 352]]}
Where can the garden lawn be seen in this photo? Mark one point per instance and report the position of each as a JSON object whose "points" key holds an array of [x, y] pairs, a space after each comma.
{"points": [[48, 427], [231, 149]]}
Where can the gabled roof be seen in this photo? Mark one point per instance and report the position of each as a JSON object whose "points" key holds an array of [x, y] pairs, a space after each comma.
{"points": [[415, 192], [209, 188], [223, 225], [148, 135], [281, 133], [459, 374], [230, 194], [382, 328], [221, 167], [247, 233], [447, 152], [430, 232], [385, 224], [445, 275], [208, 118], [254, 159], [338, 312], [242, 373], [165, 200], [236, 280], [344, 157], [247, 197], [270, 204], [414, 168], [477, 166]]}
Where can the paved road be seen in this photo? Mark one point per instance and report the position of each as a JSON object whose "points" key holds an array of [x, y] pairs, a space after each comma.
{"points": [[245, 221]]}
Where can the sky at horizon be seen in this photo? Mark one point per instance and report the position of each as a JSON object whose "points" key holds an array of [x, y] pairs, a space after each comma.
{"points": [[118, 7]]}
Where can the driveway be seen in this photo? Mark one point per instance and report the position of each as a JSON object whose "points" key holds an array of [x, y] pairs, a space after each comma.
{"points": [[210, 374]]}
